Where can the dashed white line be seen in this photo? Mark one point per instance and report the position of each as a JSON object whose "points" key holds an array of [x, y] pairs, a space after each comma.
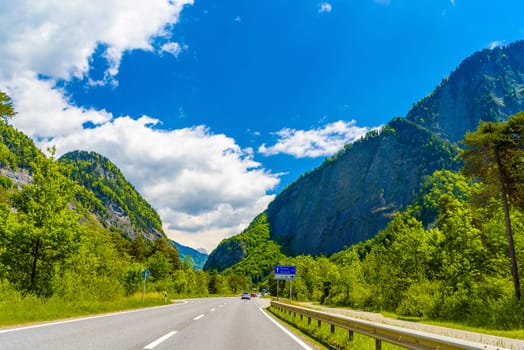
{"points": [[198, 317], [213, 309], [159, 340]]}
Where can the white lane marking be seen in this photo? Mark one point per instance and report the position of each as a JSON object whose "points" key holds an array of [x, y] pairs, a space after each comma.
{"points": [[220, 305], [291, 335], [159, 340], [86, 318], [198, 317], [213, 309]]}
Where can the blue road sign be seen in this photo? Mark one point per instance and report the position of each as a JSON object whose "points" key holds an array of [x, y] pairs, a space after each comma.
{"points": [[146, 273], [285, 272]]}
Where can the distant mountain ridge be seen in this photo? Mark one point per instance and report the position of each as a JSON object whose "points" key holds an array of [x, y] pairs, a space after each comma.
{"points": [[199, 259], [353, 195]]}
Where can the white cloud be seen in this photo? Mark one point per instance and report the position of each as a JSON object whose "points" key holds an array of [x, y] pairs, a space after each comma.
{"points": [[314, 143], [325, 7], [56, 38], [173, 48], [204, 186]]}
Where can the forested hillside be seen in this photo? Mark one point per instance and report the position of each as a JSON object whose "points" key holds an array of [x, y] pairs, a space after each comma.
{"points": [[488, 86], [118, 205]]}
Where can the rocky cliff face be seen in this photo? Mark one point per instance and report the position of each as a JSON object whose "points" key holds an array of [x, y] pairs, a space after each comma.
{"points": [[488, 85], [351, 198]]}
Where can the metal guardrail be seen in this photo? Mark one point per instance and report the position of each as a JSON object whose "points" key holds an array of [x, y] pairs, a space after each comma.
{"points": [[407, 338]]}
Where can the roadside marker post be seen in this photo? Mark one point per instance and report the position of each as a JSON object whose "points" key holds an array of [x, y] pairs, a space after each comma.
{"points": [[146, 273]]}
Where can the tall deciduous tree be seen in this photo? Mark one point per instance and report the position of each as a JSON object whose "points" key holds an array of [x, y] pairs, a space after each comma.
{"points": [[47, 228], [495, 154]]}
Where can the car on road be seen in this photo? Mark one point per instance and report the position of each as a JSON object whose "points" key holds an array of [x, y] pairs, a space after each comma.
{"points": [[245, 296]]}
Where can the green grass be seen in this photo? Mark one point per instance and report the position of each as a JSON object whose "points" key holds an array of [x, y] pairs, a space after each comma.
{"points": [[339, 339], [31, 309]]}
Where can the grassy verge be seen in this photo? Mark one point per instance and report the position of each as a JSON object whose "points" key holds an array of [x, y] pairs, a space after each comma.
{"points": [[31, 309], [514, 334], [339, 339]]}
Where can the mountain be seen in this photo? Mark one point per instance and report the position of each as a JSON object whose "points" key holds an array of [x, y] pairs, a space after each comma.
{"points": [[199, 259], [17, 151], [353, 195], [112, 197], [489, 86], [350, 198], [252, 252]]}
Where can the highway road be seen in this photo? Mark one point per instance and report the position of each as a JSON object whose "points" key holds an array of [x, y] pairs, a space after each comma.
{"points": [[211, 323]]}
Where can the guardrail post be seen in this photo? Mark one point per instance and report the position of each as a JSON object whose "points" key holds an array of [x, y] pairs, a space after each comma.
{"points": [[378, 344], [308, 321], [332, 328], [319, 323], [350, 335]]}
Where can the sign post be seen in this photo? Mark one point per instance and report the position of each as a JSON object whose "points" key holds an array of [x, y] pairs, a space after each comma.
{"points": [[146, 273], [286, 273]]}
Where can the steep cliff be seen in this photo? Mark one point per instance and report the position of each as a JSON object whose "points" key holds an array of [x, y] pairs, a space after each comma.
{"points": [[350, 198]]}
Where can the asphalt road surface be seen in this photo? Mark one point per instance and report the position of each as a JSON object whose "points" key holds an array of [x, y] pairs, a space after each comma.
{"points": [[214, 323]]}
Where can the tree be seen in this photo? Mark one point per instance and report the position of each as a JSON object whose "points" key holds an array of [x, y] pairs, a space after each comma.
{"points": [[46, 232], [6, 107], [495, 154]]}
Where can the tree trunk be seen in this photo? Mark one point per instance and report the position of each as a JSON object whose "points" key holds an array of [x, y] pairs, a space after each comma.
{"points": [[36, 254], [511, 244]]}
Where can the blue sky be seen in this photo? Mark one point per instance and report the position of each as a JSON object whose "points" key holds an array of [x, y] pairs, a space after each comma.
{"points": [[210, 108]]}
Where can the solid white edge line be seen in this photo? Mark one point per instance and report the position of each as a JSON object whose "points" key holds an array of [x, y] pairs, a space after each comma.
{"points": [[86, 318], [198, 317], [159, 340], [291, 335]]}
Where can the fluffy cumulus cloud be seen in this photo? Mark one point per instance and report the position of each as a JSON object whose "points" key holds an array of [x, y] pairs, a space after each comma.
{"points": [[204, 186], [313, 143]]}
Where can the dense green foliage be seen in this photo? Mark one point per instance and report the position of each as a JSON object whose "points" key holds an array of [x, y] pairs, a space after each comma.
{"points": [[495, 154], [457, 270], [252, 253], [114, 194]]}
